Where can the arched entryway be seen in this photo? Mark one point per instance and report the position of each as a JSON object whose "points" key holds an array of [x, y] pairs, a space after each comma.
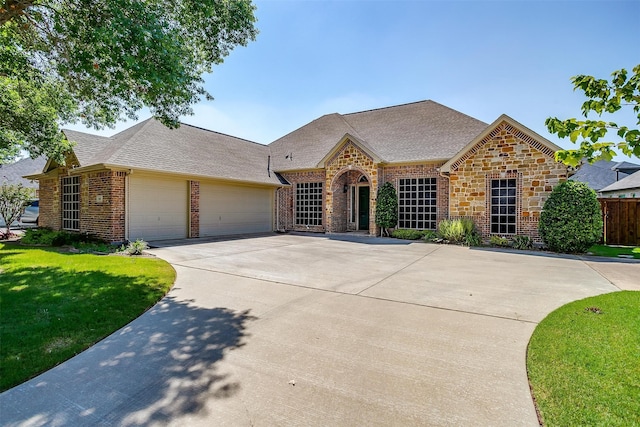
{"points": [[351, 202]]}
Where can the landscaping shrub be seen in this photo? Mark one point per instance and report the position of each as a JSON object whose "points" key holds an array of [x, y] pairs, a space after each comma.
{"points": [[49, 237], [472, 239], [39, 236], [499, 241], [571, 220], [451, 230], [522, 242], [429, 235], [461, 230], [408, 234], [135, 248]]}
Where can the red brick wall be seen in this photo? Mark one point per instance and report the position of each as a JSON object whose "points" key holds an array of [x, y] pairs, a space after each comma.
{"points": [[102, 205], [49, 215], [394, 173], [286, 200]]}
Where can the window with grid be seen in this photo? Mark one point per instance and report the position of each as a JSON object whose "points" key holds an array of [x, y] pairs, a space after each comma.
{"points": [[417, 203], [309, 203], [503, 206], [71, 203]]}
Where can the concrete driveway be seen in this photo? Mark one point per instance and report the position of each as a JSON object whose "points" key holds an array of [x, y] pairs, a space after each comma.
{"points": [[310, 330]]}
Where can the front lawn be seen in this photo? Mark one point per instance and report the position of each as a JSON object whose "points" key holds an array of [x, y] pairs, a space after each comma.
{"points": [[55, 304], [584, 362], [614, 251]]}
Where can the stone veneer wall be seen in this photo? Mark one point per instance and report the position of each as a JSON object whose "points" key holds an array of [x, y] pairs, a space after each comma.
{"points": [[504, 153], [349, 158], [102, 204], [394, 173]]}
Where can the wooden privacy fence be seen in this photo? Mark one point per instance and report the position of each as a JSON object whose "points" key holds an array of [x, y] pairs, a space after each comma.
{"points": [[621, 221]]}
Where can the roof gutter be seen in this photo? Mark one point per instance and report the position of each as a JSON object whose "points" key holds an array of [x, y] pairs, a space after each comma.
{"points": [[130, 170]]}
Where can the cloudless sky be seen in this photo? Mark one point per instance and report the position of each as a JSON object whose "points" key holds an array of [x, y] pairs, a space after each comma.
{"points": [[482, 58]]}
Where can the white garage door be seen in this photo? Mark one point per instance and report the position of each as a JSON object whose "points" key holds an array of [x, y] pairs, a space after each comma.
{"points": [[234, 209], [157, 208]]}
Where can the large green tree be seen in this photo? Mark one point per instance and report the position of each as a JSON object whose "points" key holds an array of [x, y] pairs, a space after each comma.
{"points": [[98, 62], [604, 96]]}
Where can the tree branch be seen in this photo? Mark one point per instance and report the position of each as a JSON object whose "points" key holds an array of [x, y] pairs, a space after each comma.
{"points": [[12, 9]]}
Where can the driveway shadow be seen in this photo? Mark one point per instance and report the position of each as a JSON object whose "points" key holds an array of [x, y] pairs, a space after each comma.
{"points": [[162, 365]]}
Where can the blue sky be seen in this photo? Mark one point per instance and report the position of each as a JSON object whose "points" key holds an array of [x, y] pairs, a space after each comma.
{"points": [[482, 58]]}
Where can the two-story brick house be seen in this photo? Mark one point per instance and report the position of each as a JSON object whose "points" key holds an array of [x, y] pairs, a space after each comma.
{"points": [[154, 183]]}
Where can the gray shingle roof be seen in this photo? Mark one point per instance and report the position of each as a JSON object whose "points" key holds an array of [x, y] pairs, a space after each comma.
{"points": [[187, 150], [422, 130], [14, 172], [87, 145], [417, 131], [626, 183], [601, 174]]}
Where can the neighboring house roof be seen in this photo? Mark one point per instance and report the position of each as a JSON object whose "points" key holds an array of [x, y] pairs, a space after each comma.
{"points": [[630, 182], [188, 150], [412, 132], [13, 173], [504, 121], [603, 173]]}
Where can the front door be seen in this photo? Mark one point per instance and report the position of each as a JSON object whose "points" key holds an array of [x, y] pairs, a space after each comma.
{"points": [[363, 208]]}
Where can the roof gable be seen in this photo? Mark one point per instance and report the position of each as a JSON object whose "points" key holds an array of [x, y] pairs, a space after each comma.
{"points": [[345, 140], [503, 122]]}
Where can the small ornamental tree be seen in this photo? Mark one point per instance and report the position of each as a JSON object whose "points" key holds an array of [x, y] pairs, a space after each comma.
{"points": [[387, 208], [13, 199], [571, 220]]}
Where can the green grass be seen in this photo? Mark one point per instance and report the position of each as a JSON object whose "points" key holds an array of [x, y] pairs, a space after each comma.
{"points": [[614, 251], [584, 362], [54, 305]]}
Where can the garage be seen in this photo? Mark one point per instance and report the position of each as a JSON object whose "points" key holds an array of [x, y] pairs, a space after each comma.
{"points": [[234, 209], [157, 207]]}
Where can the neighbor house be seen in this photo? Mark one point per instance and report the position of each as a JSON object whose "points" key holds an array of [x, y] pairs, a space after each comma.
{"points": [[603, 173], [627, 187], [152, 183], [13, 173]]}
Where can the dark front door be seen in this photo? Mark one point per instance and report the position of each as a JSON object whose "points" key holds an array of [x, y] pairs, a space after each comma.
{"points": [[363, 208]]}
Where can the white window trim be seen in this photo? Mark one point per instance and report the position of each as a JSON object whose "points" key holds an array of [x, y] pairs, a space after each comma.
{"points": [[69, 207]]}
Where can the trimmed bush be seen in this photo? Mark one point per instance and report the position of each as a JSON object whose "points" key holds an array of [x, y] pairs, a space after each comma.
{"points": [[571, 220], [48, 237], [387, 208], [408, 234]]}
